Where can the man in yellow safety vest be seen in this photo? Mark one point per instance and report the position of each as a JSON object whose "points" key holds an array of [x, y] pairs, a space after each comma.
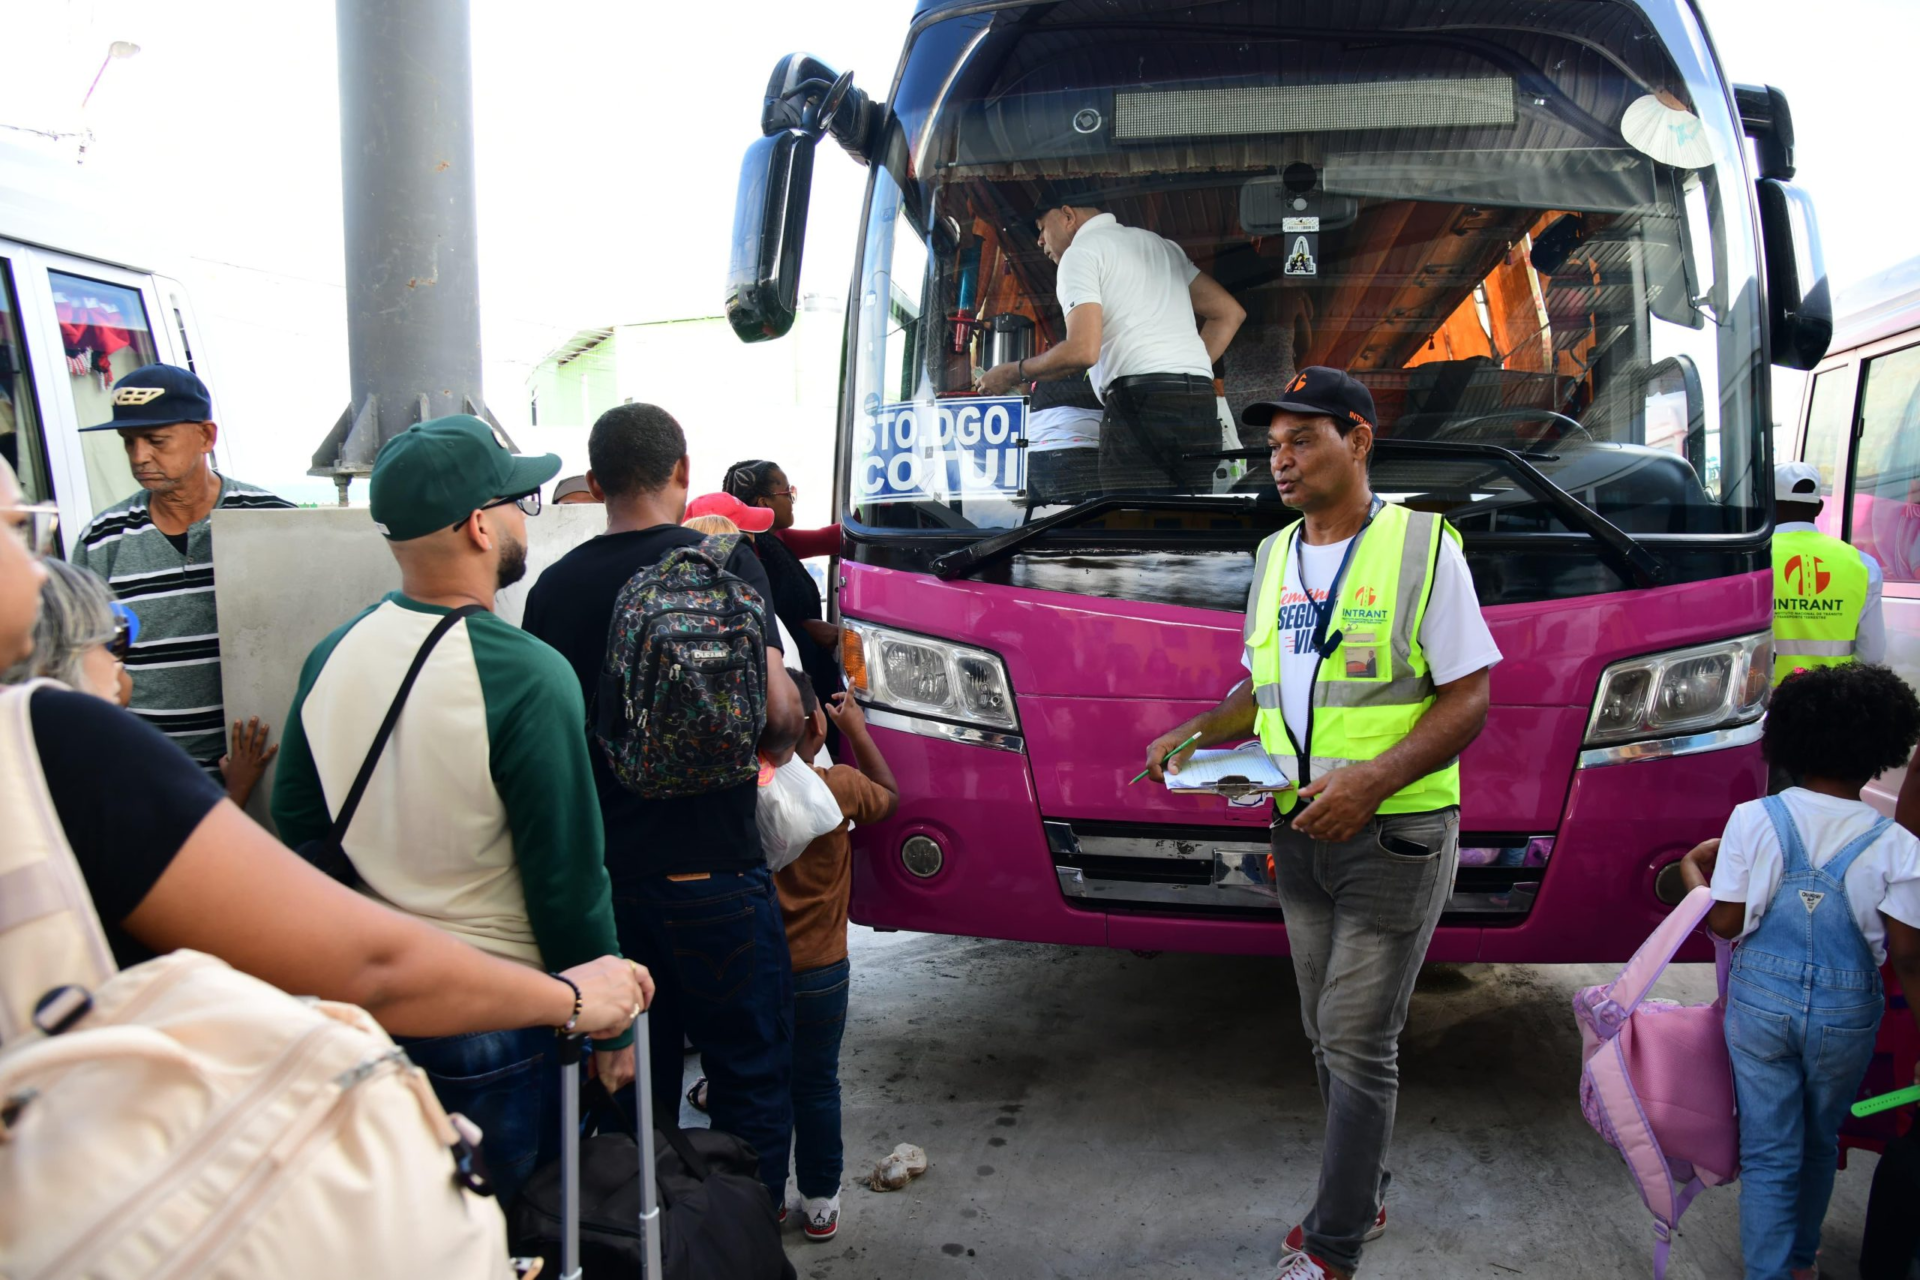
{"points": [[1368, 659], [1826, 594]]}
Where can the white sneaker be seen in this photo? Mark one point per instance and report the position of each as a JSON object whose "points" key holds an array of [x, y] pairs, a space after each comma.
{"points": [[820, 1216], [1303, 1266], [792, 1204]]}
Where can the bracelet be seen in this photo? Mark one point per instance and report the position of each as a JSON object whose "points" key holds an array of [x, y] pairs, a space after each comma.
{"points": [[1023, 369], [578, 1001]]}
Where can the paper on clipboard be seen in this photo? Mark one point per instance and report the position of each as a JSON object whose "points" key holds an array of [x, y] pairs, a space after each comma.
{"points": [[1230, 771]]}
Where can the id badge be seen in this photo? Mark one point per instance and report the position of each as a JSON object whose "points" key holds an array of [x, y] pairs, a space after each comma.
{"points": [[1361, 653]]}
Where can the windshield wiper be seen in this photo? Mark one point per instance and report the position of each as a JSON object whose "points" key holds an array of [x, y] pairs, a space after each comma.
{"points": [[959, 563], [1617, 547]]}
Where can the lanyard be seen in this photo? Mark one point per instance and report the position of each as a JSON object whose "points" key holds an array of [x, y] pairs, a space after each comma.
{"points": [[1324, 644]]}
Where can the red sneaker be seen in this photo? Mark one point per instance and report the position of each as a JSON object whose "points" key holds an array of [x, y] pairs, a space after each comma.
{"points": [[820, 1217], [1303, 1266], [1296, 1241]]}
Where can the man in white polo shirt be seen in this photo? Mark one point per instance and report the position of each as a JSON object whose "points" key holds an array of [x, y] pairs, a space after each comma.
{"points": [[1131, 299]]}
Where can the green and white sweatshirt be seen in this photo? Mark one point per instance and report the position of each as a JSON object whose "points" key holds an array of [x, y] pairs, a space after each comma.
{"points": [[481, 816]]}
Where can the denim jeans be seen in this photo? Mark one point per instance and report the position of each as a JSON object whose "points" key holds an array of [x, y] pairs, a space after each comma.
{"points": [[1149, 431], [819, 1022], [1797, 1066], [1359, 916], [506, 1082], [1062, 476], [718, 953]]}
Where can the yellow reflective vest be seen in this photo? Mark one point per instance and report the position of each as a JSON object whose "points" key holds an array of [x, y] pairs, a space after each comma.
{"points": [[1819, 594], [1371, 690]]}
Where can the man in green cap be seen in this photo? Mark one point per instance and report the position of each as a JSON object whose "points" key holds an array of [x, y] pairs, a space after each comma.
{"points": [[480, 815]]}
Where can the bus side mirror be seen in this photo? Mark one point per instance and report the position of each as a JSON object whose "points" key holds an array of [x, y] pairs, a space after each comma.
{"points": [[1799, 305], [769, 233]]}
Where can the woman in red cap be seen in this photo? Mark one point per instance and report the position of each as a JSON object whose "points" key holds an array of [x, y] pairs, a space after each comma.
{"points": [[763, 486]]}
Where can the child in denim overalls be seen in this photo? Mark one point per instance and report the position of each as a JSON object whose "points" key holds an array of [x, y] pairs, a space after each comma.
{"points": [[1819, 889]]}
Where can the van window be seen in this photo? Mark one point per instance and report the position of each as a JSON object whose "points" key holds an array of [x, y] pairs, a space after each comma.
{"points": [[1886, 469], [105, 335], [22, 442]]}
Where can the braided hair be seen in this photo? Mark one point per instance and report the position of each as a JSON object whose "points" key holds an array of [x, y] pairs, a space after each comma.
{"points": [[748, 480]]}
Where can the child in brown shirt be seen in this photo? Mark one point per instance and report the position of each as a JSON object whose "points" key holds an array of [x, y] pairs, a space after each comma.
{"points": [[813, 898]]}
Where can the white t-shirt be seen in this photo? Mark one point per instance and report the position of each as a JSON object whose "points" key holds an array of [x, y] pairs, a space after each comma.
{"points": [[1063, 427], [1139, 281], [1886, 877], [1453, 633], [1870, 645]]}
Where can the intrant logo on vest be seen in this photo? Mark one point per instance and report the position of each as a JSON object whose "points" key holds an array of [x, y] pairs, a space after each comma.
{"points": [[1802, 577], [1805, 571]]}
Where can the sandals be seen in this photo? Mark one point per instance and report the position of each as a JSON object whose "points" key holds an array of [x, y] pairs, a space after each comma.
{"points": [[697, 1096]]}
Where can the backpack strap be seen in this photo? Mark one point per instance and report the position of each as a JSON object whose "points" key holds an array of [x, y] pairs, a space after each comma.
{"points": [[50, 933], [677, 1139], [1653, 1176], [1837, 865], [1657, 952], [333, 849]]}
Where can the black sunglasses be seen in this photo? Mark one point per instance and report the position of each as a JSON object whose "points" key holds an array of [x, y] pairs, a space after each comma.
{"points": [[528, 502], [122, 641]]}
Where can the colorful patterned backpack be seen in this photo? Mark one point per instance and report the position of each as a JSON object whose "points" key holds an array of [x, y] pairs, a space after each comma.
{"points": [[683, 688]]}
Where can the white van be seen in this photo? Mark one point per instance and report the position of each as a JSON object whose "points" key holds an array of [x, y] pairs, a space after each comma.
{"points": [[83, 300]]}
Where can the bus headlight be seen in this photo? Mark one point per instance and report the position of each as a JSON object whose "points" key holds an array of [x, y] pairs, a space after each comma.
{"points": [[906, 672], [1660, 695]]}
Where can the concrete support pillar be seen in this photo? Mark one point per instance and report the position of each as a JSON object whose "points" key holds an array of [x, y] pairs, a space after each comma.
{"points": [[413, 281]]}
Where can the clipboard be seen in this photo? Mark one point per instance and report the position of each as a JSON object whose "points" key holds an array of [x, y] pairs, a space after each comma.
{"points": [[1245, 774]]}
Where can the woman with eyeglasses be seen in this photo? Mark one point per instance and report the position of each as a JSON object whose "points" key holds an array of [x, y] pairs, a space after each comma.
{"points": [[81, 637], [796, 598], [171, 863], [82, 640]]}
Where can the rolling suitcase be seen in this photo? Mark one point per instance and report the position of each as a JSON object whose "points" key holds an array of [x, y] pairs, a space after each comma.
{"points": [[648, 1221], [695, 1211]]}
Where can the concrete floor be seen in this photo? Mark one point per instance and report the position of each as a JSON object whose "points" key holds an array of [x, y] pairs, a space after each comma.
{"points": [[1090, 1113]]}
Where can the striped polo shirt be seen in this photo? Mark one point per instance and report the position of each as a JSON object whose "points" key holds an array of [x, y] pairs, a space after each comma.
{"points": [[176, 663]]}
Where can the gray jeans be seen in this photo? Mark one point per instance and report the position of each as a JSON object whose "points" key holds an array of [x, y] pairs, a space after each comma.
{"points": [[1359, 916]]}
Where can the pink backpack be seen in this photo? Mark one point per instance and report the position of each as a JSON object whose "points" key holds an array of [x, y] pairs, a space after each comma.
{"points": [[1658, 1082]]}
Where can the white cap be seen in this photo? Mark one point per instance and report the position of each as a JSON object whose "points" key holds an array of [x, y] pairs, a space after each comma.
{"points": [[1796, 482]]}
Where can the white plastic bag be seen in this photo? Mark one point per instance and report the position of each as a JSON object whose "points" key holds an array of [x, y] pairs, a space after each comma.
{"points": [[795, 809]]}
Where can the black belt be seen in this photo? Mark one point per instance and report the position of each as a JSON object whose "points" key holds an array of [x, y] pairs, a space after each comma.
{"points": [[1162, 382]]}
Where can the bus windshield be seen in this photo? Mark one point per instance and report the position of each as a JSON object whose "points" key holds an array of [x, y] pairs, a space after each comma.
{"points": [[1521, 224]]}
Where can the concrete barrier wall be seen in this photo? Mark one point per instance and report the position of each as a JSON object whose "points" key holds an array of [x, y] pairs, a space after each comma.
{"points": [[284, 579]]}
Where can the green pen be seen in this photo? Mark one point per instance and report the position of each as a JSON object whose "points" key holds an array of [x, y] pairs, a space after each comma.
{"points": [[1163, 759], [1887, 1101]]}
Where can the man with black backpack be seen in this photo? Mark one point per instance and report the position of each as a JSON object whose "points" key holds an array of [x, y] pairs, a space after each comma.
{"points": [[673, 643]]}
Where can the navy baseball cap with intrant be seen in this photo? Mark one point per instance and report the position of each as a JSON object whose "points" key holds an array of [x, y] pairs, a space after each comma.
{"points": [[157, 395], [1320, 391]]}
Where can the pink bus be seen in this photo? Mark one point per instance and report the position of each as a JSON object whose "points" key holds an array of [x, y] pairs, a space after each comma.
{"points": [[1533, 230]]}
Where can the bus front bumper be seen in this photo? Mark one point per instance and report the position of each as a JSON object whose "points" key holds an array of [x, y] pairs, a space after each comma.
{"points": [[1582, 893]]}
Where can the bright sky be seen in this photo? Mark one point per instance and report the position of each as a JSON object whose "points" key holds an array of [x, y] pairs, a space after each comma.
{"points": [[609, 141]]}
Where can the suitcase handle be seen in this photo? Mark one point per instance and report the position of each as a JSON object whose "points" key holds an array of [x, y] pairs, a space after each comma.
{"points": [[649, 1198], [572, 1050]]}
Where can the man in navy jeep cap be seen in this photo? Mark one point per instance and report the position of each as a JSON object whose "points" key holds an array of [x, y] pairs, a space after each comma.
{"points": [[155, 548]]}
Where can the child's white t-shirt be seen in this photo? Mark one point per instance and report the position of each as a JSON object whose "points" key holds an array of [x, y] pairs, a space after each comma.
{"points": [[1885, 877]]}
